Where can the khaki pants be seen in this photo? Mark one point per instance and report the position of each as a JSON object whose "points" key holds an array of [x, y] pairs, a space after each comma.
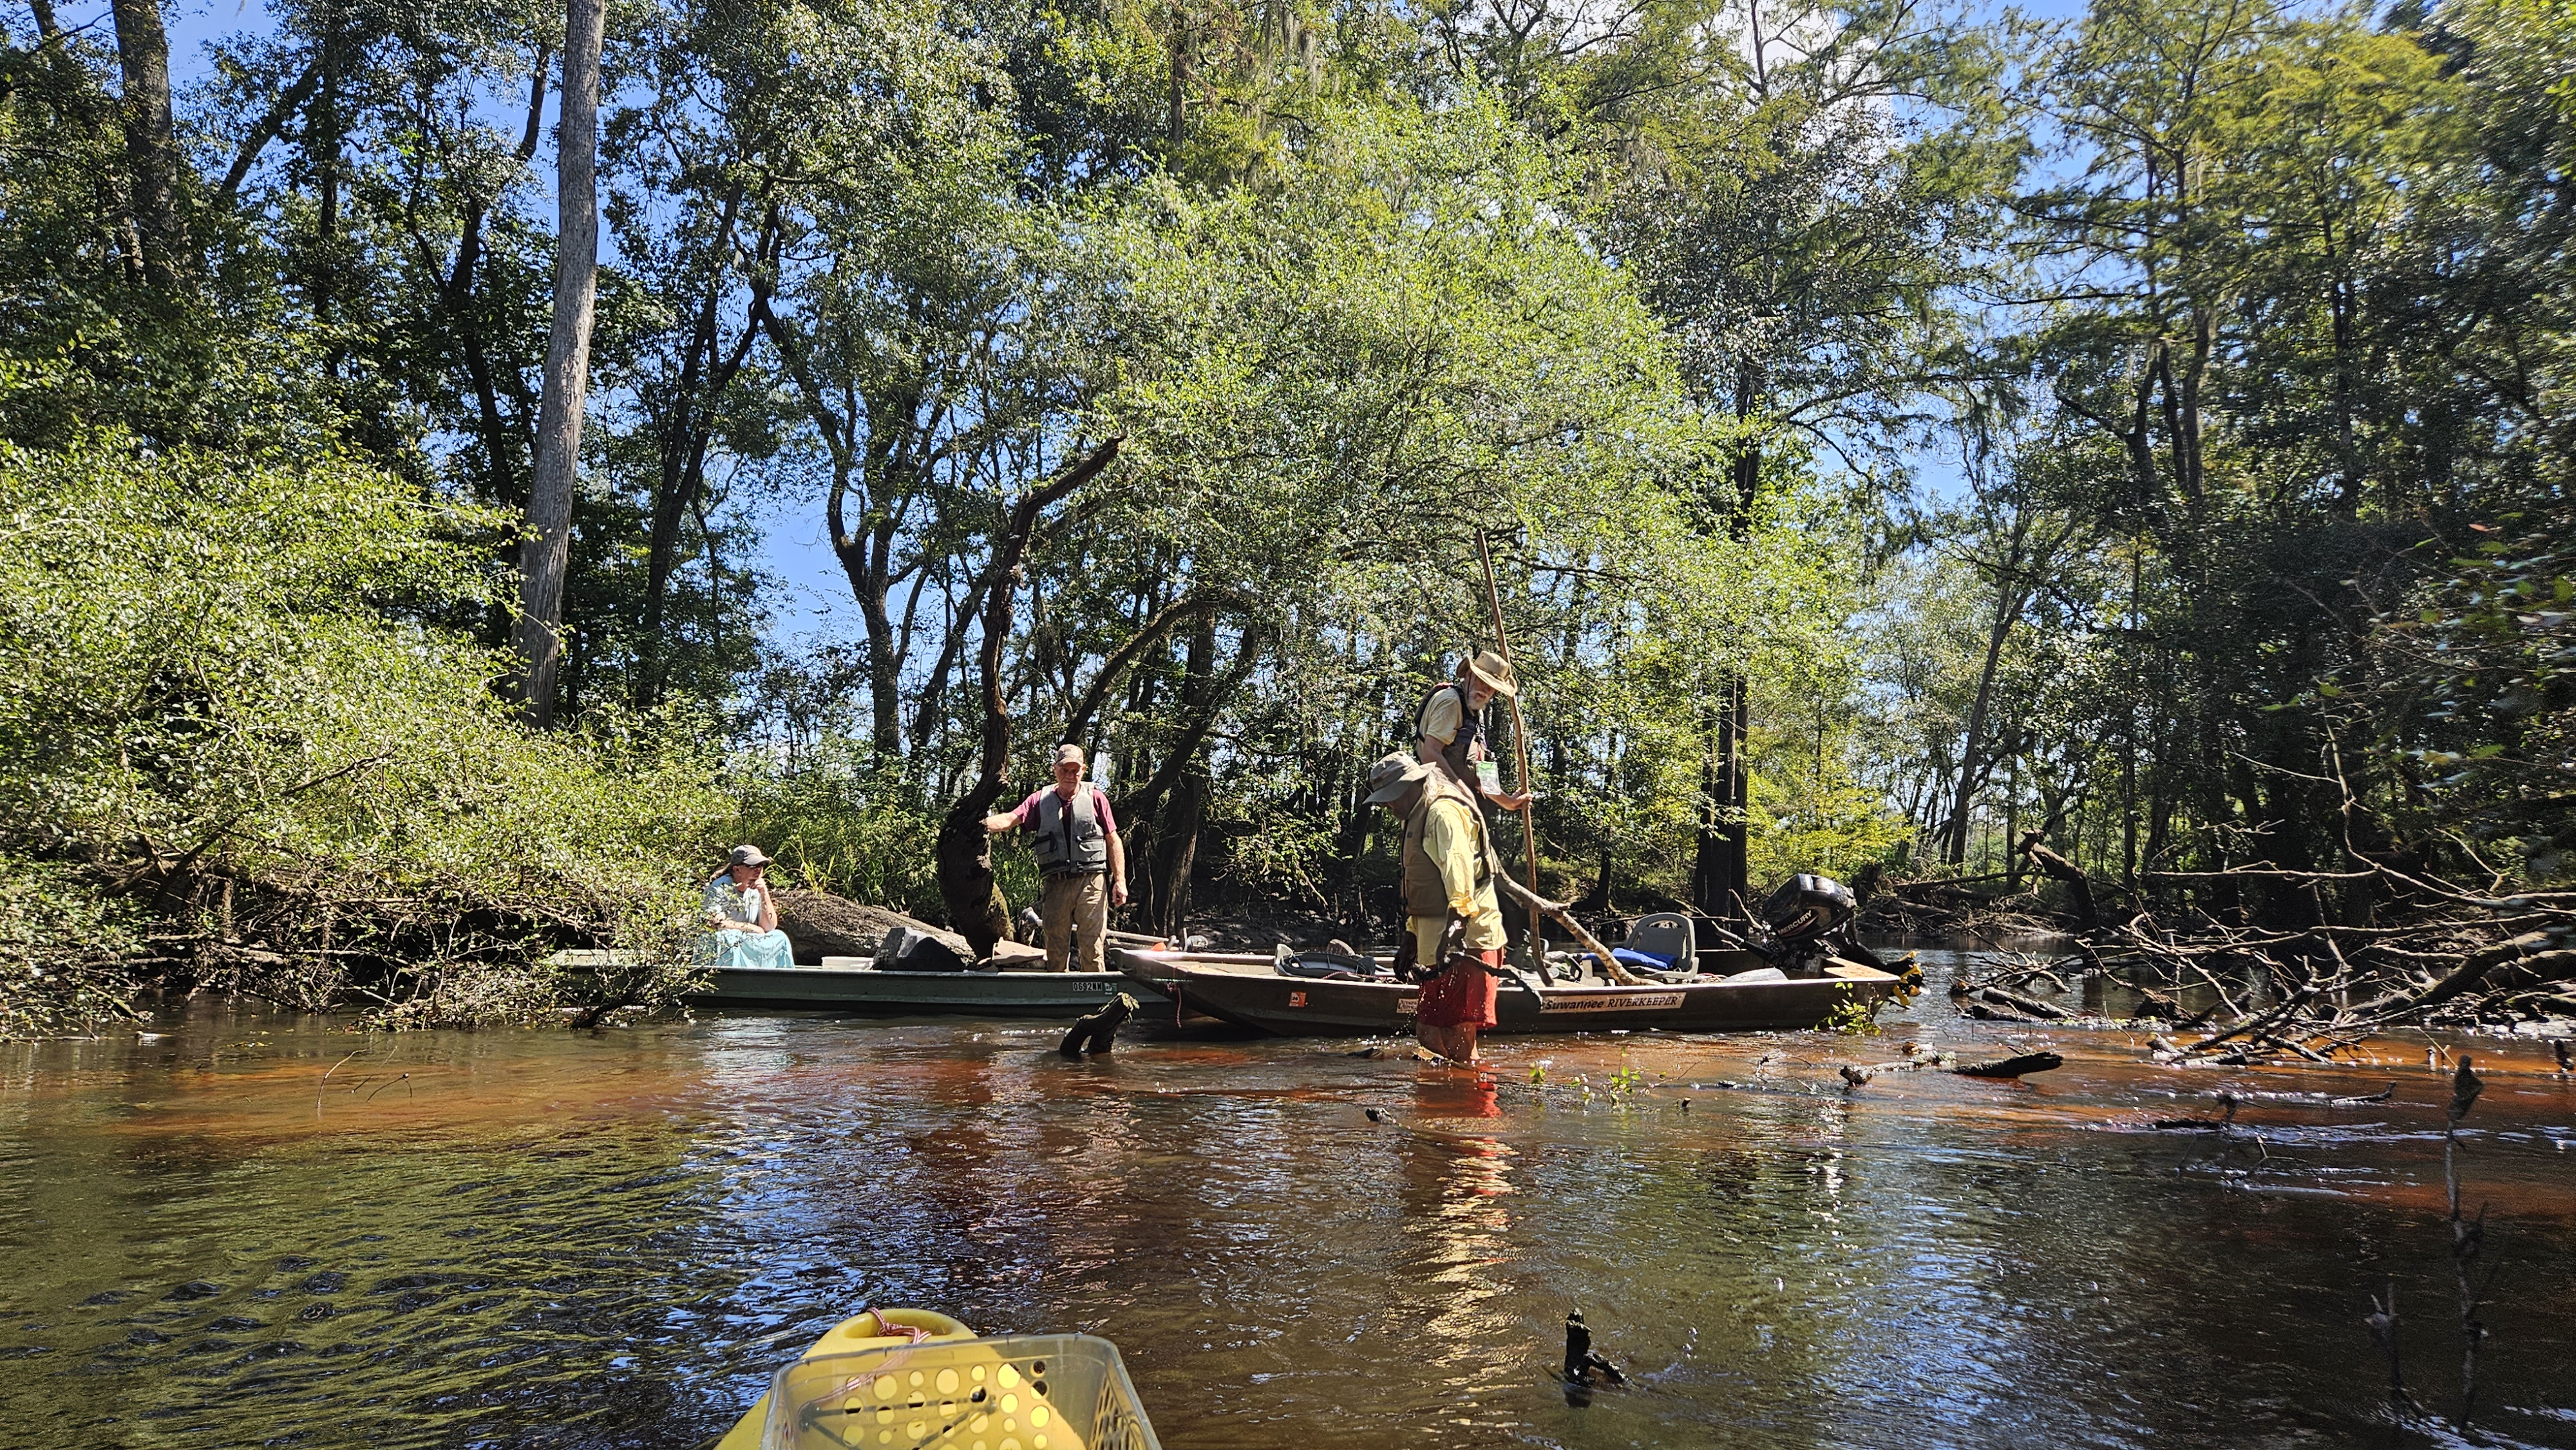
{"points": [[1076, 908]]}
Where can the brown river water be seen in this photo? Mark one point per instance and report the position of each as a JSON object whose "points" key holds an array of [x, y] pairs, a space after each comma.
{"points": [[239, 1234]]}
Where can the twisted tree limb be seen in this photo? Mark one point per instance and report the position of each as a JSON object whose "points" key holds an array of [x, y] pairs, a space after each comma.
{"points": [[1610, 966]]}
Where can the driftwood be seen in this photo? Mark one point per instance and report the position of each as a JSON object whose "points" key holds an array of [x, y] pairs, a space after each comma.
{"points": [[1098, 1032], [2030, 1007], [2021, 1066], [1609, 964], [2058, 868], [2335, 955], [819, 924]]}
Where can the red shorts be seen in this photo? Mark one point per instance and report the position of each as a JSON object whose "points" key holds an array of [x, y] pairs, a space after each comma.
{"points": [[1462, 996]]}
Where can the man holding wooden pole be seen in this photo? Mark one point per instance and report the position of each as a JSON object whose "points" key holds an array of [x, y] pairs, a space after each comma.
{"points": [[1449, 729]]}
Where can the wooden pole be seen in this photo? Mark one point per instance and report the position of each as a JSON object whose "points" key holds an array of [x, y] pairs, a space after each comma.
{"points": [[1520, 726]]}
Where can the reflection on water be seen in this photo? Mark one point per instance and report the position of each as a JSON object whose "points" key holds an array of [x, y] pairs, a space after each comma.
{"points": [[233, 1236]]}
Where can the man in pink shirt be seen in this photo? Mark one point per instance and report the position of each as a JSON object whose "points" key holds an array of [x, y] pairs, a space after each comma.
{"points": [[1080, 857]]}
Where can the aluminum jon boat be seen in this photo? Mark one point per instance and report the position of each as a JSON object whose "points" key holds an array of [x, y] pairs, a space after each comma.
{"points": [[864, 991], [1249, 991], [854, 986]]}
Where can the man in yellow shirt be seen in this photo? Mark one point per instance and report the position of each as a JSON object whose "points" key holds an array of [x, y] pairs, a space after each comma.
{"points": [[1448, 869]]}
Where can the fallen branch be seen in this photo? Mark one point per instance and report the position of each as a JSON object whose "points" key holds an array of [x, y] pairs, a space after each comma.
{"points": [[1610, 965], [2025, 1064]]}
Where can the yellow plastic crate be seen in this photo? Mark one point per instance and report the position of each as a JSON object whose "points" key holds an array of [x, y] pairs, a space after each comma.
{"points": [[952, 1392]]}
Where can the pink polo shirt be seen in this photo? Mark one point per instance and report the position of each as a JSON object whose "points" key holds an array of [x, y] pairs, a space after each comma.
{"points": [[1099, 803]]}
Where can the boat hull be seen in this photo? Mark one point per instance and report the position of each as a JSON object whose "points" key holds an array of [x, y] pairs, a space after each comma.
{"points": [[910, 994], [1305, 1007]]}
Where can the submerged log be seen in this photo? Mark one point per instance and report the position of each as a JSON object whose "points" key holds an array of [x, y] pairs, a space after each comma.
{"points": [[2025, 1064], [1098, 1032], [2019, 1003]]}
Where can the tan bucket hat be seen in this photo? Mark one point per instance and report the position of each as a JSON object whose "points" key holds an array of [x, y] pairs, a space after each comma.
{"points": [[1393, 775], [1496, 672]]}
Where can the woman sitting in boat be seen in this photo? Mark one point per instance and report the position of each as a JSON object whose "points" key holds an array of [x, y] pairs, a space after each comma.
{"points": [[742, 916]]}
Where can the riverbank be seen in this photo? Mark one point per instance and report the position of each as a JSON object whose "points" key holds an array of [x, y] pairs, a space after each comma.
{"points": [[243, 1232]]}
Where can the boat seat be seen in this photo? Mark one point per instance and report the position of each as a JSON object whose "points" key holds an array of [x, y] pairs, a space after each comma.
{"points": [[1666, 935]]}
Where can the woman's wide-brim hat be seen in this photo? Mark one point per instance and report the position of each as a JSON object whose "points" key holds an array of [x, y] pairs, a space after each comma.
{"points": [[1496, 672]]}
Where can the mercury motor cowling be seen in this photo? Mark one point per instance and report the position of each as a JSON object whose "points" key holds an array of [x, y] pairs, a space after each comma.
{"points": [[1802, 922], [1807, 907]]}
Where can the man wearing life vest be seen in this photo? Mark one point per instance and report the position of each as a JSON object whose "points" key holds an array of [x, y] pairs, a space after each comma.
{"points": [[1084, 866], [1449, 728], [1449, 906]]}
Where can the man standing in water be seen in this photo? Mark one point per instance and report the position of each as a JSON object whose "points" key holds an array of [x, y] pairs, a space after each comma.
{"points": [[1449, 729], [1455, 925], [1080, 858]]}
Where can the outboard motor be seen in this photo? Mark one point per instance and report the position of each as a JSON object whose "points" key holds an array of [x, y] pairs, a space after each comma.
{"points": [[1801, 919], [1807, 907]]}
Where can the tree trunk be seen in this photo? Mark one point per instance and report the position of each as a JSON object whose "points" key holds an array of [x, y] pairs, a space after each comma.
{"points": [[869, 562], [1734, 861], [2010, 596], [151, 145], [1176, 82], [1176, 850], [1177, 813], [1721, 866], [465, 323], [963, 858], [548, 548], [288, 102], [683, 483]]}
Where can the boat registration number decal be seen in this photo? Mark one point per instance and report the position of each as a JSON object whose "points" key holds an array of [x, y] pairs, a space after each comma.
{"points": [[1296, 999], [1611, 1002]]}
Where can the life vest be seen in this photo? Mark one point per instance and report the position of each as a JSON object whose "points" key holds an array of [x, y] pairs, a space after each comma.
{"points": [[1425, 894], [1068, 835], [1471, 728]]}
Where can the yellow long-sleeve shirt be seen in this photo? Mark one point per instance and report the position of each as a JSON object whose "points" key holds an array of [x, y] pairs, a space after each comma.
{"points": [[1449, 838]]}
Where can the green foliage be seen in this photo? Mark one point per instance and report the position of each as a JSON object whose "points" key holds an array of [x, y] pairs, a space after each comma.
{"points": [[1853, 1017], [836, 825], [1626, 1080], [63, 952], [2196, 614], [209, 686], [2480, 662], [1667, 309]]}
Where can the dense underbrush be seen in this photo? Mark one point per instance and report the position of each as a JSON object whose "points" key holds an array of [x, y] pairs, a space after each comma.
{"points": [[240, 748]]}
